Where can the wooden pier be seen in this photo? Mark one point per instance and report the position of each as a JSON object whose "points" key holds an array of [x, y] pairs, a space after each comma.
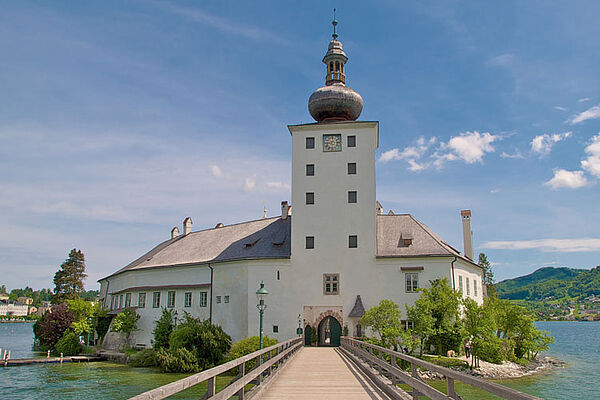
{"points": [[48, 360]]}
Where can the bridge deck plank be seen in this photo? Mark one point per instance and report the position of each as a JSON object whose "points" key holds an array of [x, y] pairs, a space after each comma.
{"points": [[321, 373]]}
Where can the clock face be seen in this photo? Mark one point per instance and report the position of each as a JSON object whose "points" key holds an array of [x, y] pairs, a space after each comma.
{"points": [[332, 142]]}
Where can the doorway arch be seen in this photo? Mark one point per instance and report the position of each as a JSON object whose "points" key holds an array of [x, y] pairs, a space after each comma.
{"points": [[307, 334], [329, 332]]}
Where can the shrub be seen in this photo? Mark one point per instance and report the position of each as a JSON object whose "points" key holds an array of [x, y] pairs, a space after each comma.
{"points": [[163, 327], [51, 327], [69, 344], [490, 350], [144, 358], [126, 322], [208, 342], [247, 346], [180, 360]]}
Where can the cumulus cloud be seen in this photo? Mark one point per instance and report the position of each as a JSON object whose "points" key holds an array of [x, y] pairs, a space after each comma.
{"points": [[216, 171], [278, 185], [547, 245], [410, 153], [516, 155], [584, 99], [567, 179], [469, 147], [542, 144], [592, 163], [590, 113], [249, 184], [559, 108]]}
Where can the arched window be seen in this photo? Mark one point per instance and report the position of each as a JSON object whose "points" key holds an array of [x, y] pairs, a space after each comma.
{"points": [[337, 66]]}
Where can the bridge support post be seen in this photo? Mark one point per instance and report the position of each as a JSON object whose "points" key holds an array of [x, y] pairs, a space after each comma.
{"points": [[240, 394], [210, 390], [450, 387], [415, 374]]}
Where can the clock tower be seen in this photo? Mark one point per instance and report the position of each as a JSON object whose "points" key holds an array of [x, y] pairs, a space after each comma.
{"points": [[333, 193]]}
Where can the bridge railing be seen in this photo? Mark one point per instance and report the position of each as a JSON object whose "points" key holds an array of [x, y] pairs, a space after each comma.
{"points": [[272, 358], [374, 356]]}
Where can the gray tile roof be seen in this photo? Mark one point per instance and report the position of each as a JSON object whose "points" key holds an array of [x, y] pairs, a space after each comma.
{"points": [[390, 228], [263, 238], [358, 310]]}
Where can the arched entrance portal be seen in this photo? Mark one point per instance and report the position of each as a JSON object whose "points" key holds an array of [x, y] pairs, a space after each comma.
{"points": [[307, 333], [329, 332]]}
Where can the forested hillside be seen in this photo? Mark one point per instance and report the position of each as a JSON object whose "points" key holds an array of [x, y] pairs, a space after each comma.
{"points": [[551, 284]]}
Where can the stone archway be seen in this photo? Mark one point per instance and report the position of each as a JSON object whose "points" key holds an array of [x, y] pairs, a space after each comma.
{"points": [[329, 313], [329, 332]]}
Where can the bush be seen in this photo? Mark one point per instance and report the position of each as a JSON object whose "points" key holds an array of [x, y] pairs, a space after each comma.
{"points": [[69, 344], [163, 327], [144, 358], [52, 326], [208, 342], [180, 360], [490, 350], [247, 346], [126, 322]]}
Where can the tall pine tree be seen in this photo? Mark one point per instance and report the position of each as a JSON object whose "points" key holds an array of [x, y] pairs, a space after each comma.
{"points": [[68, 280], [488, 275]]}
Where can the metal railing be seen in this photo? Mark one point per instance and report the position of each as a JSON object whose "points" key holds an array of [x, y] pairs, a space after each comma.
{"points": [[272, 358], [385, 360]]}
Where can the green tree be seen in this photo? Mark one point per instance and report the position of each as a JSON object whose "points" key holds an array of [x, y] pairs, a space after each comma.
{"points": [[443, 303], [3, 289], [68, 280], [163, 328], [480, 327], [126, 322], [247, 346], [384, 320], [488, 275], [82, 310]]}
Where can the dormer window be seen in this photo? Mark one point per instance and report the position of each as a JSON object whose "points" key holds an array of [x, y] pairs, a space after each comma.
{"points": [[406, 239]]}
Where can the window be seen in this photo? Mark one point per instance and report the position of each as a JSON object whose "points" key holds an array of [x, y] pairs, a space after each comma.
{"points": [[218, 299], [310, 142], [351, 168], [353, 241], [112, 302], [352, 141], [310, 198], [310, 242], [475, 288], [331, 283], [171, 299], [352, 196], [412, 282], [121, 301], [408, 324], [310, 169], [278, 275], [275, 328], [142, 300], [226, 299], [187, 299], [460, 287], [203, 299], [128, 300], [468, 286], [155, 299]]}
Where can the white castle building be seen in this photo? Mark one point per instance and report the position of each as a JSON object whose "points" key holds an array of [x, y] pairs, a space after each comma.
{"points": [[337, 255]]}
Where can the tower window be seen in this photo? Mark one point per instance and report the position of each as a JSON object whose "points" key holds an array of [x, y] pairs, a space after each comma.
{"points": [[275, 328], [278, 276], [310, 242], [310, 198], [353, 241], [351, 168], [310, 142], [352, 196], [352, 141], [331, 283], [310, 169]]}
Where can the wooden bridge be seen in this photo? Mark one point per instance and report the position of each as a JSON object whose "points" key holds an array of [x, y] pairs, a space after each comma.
{"points": [[355, 370]]}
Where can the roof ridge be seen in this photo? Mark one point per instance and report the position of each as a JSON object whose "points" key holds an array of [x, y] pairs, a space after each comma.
{"points": [[236, 224], [437, 239]]}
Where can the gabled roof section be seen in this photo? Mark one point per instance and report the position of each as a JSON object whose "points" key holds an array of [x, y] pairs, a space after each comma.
{"points": [[390, 228], [358, 310], [263, 238]]}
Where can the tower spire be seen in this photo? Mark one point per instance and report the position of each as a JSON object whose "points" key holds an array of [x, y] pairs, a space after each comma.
{"points": [[334, 23]]}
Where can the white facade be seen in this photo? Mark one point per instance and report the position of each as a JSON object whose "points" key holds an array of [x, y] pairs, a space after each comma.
{"points": [[8, 307]]}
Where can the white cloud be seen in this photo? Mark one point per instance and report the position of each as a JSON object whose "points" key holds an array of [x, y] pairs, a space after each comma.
{"points": [[411, 153], [393, 154], [517, 155], [278, 185], [590, 113], [503, 60], [495, 190], [216, 171], [471, 146], [567, 179], [559, 108], [584, 99], [542, 144], [547, 245], [592, 163], [249, 184]]}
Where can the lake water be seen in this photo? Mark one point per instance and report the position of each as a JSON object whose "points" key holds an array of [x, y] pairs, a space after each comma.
{"points": [[577, 343]]}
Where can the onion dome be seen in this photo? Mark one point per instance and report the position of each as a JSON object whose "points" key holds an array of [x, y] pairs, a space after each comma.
{"points": [[335, 101]]}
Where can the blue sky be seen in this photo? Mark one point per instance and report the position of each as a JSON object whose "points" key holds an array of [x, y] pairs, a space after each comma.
{"points": [[119, 119]]}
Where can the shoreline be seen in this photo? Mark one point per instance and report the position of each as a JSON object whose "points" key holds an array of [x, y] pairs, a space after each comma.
{"points": [[506, 370]]}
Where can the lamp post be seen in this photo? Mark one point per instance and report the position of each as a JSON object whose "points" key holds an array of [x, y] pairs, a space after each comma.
{"points": [[87, 350], [260, 294], [299, 330], [175, 318]]}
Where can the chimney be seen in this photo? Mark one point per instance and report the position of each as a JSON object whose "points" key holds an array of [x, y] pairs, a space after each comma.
{"points": [[467, 233], [174, 232], [284, 209], [187, 226]]}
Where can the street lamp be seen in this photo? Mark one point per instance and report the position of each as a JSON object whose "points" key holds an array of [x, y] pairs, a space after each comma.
{"points": [[87, 350], [175, 318], [260, 294], [299, 330]]}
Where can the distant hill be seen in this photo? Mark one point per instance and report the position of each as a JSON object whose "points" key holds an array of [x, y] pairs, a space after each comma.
{"points": [[551, 283]]}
